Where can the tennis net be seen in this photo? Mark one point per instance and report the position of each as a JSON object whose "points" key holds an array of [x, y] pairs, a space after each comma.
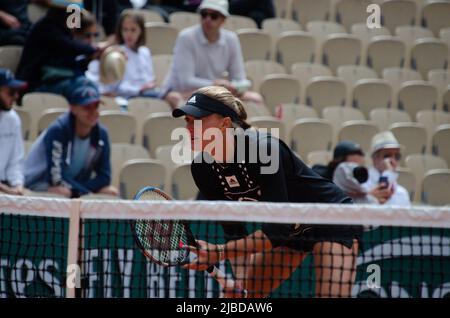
{"points": [[72, 248]]}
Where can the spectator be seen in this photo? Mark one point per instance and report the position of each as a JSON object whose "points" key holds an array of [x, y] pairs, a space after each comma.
{"points": [[106, 12], [64, 157], [206, 54], [382, 183], [50, 60], [139, 77], [258, 10], [14, 23], [11, 154], [345, 151]]}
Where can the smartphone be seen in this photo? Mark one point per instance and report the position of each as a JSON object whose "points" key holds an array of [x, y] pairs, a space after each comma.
{"points": [[384, 182]]}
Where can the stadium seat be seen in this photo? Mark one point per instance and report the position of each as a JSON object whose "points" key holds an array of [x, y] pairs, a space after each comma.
{"points": [[268, 123], [108, 103], [338, 115], [139, 173], [420, 164], [301, 133], [121, 153], [254, 110], [321, 29], [121, 126], [415, 96], [409, 34], [157, 131], [293, 47], [25, 122], [276, 26], [36, 103], [340, 49], [323, 91], [279, 88], [319, 157], [396, 76], [289, 113], [413, 136], [304, 72], [398, 13], [183, 19], [141, 107], [149, 16], [432, 119], [385, 51], [47, 117], [440, 142], [441, 80], [257, 70], [368, 94], [444, 35], [435, 189], [304, 11], [283, 8], [429, 54], [446, 100], [359, 131], [236, 22], [365, 35], [10, 57], [407, 179], [161, 67], [435, 16], [170, 162], [182, 184], [385, 117], [349, 12], [352, 74], [255, 44], [160, 38]]}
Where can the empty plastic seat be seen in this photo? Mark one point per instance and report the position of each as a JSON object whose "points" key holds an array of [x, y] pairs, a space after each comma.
{"points": [[359, 131], [295, 46], [440, 143], [435, 189], [385, 117], [301, 133], [278, 89], [339, 49], [429, 54], [257, 70], [121, 126], [349, 12], [369, 94], [304, 11], [415, 96], [304, 72], [435, 16], [385, 51], [160, 38], [398, 13], [413, 136], [255, 44], [323, 91], [236, 22]]}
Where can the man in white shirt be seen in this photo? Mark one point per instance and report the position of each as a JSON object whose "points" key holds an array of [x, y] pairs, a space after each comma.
{"points": [[11, 144], [206, 54], [382, 182]]}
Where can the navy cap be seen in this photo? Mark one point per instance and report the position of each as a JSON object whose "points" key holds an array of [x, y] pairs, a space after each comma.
{"points": [[84, 95], [7, 79], [200, 105], [345, 148]]}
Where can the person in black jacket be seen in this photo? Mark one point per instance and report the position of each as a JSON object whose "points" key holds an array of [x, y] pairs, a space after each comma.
{"points": [[14, 22], [253, 166], [51, 56]]}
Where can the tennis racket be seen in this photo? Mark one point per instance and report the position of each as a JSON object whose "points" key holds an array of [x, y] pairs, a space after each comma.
{"points": [[164, 242]]}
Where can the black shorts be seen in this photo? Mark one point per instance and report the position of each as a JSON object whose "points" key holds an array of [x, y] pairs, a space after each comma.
{"points": [[303, 237]]}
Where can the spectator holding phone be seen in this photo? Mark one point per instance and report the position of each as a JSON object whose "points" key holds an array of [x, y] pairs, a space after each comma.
{"points": [[382, 182]]}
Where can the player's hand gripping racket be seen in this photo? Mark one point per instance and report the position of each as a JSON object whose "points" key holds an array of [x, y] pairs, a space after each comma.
{"points": [[165, 242]]}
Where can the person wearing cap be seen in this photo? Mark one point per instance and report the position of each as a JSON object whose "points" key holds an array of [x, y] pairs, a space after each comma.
{"points": [[75, 146], [206, 54], [382, 182], [345, 151], [236, 170], [52, 58], [11, 144]]}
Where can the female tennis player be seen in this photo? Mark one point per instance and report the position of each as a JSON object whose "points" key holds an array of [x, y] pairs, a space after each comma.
{"points": [[264, 259]]}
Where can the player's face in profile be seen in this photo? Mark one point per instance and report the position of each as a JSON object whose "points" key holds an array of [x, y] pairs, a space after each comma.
{"points": [[86, 115], [130, 32], [207, 122], [7, 97]]}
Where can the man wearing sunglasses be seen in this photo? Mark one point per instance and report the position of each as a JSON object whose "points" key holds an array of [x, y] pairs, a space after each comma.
{"points": [[382, 183], [206, 54], [11, 145]]}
